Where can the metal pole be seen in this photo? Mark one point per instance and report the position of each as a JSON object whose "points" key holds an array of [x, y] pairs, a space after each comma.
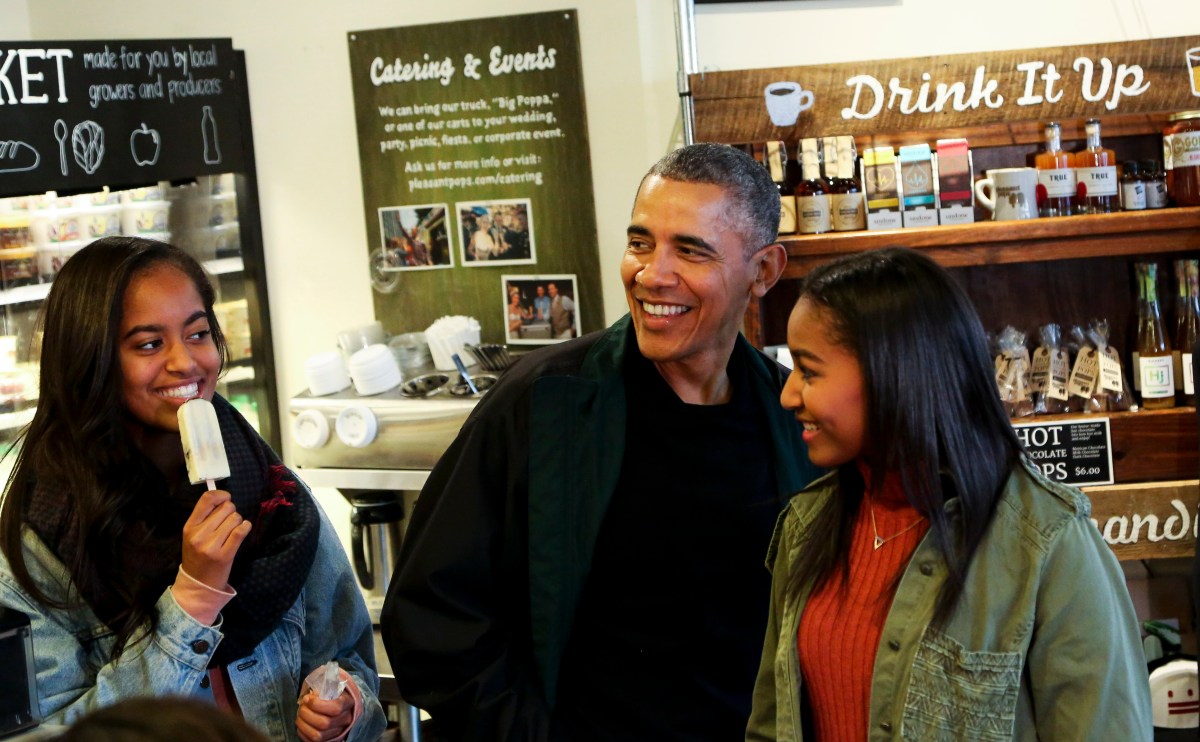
{"points": [[685, 46]]}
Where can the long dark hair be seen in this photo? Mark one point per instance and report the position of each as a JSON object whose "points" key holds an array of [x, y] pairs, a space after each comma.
{"points": [[933, 413], [77, 442]]}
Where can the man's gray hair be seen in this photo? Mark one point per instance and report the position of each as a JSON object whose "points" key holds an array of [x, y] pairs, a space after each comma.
{"points": [[752, 194]]}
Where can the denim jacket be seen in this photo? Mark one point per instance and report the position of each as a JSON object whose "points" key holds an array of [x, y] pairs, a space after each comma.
{"points": [[1042, 645], [75, 674]]}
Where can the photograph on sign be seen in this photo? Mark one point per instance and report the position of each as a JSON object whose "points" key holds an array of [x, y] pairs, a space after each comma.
{"points": [[540, 309], [414, 238], [498, 232]]}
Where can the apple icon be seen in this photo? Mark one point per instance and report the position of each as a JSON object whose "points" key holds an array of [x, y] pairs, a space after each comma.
{"points": [[145, 144]]}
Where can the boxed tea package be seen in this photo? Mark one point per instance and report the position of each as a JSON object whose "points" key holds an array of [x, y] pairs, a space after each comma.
{"points": [[916, 175], [882, 187], [955, 194]]}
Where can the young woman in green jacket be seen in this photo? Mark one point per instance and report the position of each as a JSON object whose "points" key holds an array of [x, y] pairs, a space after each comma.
{"points": [[934, 585]]}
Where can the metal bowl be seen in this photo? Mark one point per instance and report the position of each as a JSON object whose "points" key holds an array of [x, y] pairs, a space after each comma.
{"points": [[483, 382], [423, 386]]}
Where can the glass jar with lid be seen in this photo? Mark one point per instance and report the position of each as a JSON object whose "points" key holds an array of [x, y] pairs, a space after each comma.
{"points": [[1181, 155]]}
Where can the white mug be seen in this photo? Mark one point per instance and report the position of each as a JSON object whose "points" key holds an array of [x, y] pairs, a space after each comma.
{"points": [[785, 101], [1013, 193]]}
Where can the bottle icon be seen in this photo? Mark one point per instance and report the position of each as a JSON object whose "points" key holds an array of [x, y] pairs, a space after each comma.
{"points": [[208, 127]]}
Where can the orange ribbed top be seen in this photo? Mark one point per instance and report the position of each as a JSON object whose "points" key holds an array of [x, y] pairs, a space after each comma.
{"points": [[840, 628]]}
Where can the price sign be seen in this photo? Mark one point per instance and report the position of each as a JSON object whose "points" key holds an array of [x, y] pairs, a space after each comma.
{"points": [[1075, 452]]}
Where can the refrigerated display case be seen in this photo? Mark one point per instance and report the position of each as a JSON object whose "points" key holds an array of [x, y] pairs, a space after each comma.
{"points": [[145, 137]]}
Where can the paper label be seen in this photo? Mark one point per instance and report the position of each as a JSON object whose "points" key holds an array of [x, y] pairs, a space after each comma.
{"points": [[1182, 149], [1110, 371], [1189, 384], [1157, 377], [1058, 183], [1060, 370], [848, 212], [787, 214], [1133, 196], [1099, 181], [1039, 377], [1085, 374], [812, 214], [1156, 194]]}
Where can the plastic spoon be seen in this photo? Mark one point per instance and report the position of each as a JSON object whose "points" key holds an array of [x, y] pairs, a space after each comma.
{"points": [[60, 133], [462, 371]]}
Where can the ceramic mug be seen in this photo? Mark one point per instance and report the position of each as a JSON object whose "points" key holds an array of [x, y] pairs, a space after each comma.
{"points": [[1009, 193]]}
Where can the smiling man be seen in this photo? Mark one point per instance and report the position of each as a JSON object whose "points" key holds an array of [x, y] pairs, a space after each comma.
{"points": [[586, 561]]}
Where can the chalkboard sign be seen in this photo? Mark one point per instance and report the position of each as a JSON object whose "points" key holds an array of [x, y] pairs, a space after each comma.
{"points": [[1075, 452], [80, 115]]}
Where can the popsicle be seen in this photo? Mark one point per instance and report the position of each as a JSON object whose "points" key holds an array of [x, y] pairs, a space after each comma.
{"points": [[203, 448]]}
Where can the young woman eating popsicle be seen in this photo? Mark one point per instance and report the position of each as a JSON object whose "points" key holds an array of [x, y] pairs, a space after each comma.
{"points": [[934, 585], [136, 581]]}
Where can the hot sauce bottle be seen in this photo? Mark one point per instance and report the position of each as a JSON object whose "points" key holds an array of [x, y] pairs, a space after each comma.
{"points": [[1096, 170], [1056, 175]]}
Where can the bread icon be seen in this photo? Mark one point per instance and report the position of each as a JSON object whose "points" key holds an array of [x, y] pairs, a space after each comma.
{"points": [[17, 157]]}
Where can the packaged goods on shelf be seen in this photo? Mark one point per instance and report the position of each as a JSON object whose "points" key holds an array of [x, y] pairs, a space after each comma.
{"points": [[882, 188], [1051, 369], [1056, 175], [1013, 378], [776, 160], [916, 176], [1181, 157], [1155, 365], [1133, 187], [846, 204], [1097, 382], [813, 210], [1096, 172]]}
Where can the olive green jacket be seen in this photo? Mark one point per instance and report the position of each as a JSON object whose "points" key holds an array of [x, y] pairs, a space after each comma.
{"points": [[1043, 644]]}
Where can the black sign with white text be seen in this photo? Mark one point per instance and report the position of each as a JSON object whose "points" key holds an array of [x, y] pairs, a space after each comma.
{"points": [[79, 115], [1075, 452]]}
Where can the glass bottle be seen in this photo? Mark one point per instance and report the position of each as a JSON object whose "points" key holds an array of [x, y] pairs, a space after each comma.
{"points": [[846, 203], [1187, 327], [1096, 170], [1133, 187], [1156, 184], [1155, 365], [775, 157], [829, 160], [1056, 175], [812, 197]]}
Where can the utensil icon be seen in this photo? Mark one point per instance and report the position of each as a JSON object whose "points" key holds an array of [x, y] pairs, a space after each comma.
{"points": [[60, 133]]}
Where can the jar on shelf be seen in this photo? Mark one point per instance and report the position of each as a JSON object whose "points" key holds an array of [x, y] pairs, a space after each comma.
{"points": [[1181, 157]]}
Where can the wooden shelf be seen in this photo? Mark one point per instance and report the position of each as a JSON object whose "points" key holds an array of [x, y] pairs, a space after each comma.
{"points": [[996, 243]]}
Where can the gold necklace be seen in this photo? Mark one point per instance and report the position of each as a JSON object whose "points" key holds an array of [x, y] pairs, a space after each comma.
{"points": [[880, 540]]}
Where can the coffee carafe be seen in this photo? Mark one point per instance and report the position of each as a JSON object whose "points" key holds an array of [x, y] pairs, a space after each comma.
{"points": [[375, 542]]}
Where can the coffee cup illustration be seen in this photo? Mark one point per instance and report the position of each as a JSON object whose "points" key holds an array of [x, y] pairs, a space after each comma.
{"points": [[785, 101]]}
